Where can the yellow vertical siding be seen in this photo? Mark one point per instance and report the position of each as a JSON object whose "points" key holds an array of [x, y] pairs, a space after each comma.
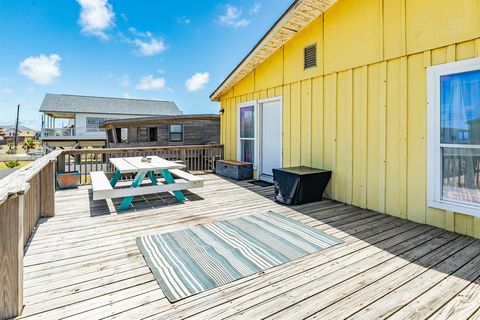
{"points": [[353, 34], [359, 165], [449, 21], [306, 123], [362, 111], [330, 127], [295, 123], [416, 139], [317, 122], [343, 182], [286, 120]]}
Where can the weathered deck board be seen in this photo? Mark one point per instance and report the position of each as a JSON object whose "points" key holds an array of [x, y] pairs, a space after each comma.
{"points": [[84, 263]]}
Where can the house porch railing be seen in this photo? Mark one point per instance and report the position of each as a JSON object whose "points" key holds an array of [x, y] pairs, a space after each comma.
{"points": [[72, 132]]}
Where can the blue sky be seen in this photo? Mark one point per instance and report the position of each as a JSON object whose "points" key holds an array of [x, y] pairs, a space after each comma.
{"points": [[148, 49]]}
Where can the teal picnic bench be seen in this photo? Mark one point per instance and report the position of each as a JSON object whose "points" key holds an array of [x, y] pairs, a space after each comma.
{"points": [[174, 179]]}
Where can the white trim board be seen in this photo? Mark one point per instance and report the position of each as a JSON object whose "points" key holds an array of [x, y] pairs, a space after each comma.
{"points": [[434, 165], [259, 133], [255, 124]]}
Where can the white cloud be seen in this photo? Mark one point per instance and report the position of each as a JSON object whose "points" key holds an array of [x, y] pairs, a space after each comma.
{"points": [[255, 8], [41, 69], [151, 83], [197, 81], [233, 17], [146, 43], [183, 20], [96, 16], [150, 47], [7, 90]]}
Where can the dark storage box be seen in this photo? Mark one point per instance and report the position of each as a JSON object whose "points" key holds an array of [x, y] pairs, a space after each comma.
{"points": [[234, 169], [298, 185]]}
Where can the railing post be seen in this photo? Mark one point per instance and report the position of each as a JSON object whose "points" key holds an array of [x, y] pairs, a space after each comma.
{"points": [[183, 156], [11, 255], [61, 163], [47, 190]]}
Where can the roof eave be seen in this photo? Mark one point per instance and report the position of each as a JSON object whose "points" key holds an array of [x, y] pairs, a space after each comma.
{"points": [[300, 14], [278, 24]]}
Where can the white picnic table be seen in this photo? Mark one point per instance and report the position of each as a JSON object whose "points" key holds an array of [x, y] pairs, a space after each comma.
{"points": [[104, 189]]}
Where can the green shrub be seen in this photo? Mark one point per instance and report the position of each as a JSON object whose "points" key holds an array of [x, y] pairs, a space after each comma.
{"points": [[12, 164]]}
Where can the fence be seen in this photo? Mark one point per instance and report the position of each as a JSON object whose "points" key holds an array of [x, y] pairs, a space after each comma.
{"points": [[25, 196], [196, 158]]}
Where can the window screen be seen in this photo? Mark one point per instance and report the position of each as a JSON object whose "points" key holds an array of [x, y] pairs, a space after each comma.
{"points": [[176, 133]]}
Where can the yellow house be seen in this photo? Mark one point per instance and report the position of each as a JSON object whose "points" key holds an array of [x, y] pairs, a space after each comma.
{"points": [[383, 93]]}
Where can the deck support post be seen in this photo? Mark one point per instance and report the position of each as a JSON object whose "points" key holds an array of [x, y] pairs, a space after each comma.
{"points": [[11, 254], [61, 163], [47, 190]]}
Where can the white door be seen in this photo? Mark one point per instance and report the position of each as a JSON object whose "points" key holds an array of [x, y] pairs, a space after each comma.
{"points": [[271, 138]]}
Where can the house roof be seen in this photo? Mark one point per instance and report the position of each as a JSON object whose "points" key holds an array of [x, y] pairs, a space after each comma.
{"points": [[161, 119], [297, 16], [64, 103], [27, 133]]}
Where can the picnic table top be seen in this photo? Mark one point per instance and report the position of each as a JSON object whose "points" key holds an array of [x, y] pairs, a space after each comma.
{"points": [[135, 164]]}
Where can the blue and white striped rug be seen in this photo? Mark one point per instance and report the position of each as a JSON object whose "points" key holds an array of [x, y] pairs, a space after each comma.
{"points": [[190, 261]]}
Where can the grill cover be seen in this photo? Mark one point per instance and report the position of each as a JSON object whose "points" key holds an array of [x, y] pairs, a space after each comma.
{"points": [[298, 185]]}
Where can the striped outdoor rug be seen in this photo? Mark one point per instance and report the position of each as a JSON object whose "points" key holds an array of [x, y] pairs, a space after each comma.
{"points": [[190, 261]]}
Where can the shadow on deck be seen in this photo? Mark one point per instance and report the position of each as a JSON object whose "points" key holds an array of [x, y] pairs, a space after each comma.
{"points": [[84, 262]]}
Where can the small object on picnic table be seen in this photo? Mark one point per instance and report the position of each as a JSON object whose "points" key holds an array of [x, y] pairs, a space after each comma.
{"points": [[146, 159]]}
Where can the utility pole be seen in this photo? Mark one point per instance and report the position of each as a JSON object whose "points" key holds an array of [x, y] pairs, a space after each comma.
{"points": [[16, 129]]}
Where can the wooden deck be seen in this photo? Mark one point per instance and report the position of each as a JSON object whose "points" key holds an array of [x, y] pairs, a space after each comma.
{"points": [[84, 263]]}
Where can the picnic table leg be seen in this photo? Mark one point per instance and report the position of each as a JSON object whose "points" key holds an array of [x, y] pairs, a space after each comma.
{"points": [[125, 204], [169, 179], [152, 177], [116, 176]]}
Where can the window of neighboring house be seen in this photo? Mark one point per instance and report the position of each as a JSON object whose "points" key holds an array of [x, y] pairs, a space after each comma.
{"points": [[246, 125], [152, 134], [122, 135], [93, 124], [454, 137], [176, 133], [147, 134], [110, 135]]}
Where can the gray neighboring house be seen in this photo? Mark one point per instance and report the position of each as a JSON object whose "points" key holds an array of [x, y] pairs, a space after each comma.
{"points": [[71, 121], [192, 129]]}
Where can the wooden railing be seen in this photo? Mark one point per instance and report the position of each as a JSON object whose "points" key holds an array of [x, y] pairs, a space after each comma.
{"points": [[25, 196], [28, 194], [196, 158]]}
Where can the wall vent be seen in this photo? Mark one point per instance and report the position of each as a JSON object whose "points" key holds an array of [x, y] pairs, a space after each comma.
{"points": [[310, 57]]}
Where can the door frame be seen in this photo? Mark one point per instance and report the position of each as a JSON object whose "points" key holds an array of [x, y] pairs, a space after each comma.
{"points": [[259, 139], [250, 103]]}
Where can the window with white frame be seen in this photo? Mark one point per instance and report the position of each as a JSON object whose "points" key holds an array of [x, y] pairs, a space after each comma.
{"points": [[454, 136], [246, 118], [93, 124]]}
